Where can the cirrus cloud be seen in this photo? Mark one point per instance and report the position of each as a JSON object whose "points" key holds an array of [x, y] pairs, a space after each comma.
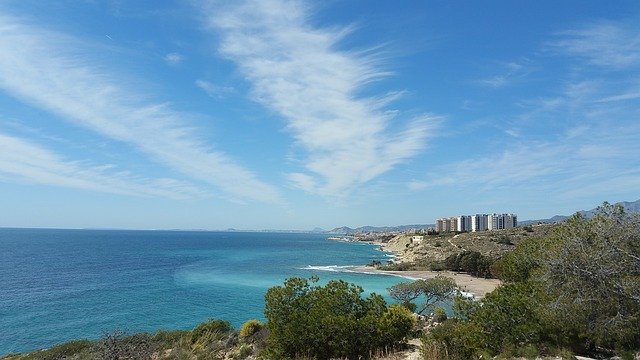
{"points": [[298, 71]]}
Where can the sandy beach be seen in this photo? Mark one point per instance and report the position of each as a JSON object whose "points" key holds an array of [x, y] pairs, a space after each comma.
{"points": [[478, 287]]}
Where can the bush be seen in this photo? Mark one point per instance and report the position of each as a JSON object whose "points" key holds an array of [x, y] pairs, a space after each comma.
{"points": [[70, 349], [439, 315], [453, 340], [249, 328], [210, 329], [510, 316], [119, 345], [168, 338], [502, 239], [471, 262], [592, 275], [331, 321], [374, 263], [403, 266]]}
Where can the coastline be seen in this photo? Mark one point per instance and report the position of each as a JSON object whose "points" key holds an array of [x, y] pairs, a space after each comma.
{"points": [[478, 287], [475, 286]]}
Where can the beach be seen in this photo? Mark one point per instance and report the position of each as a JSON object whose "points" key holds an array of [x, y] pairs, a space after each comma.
{"points": [[478, 287]]}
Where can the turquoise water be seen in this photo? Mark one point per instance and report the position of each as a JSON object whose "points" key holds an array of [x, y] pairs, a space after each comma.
{"points": [[57, 285]]}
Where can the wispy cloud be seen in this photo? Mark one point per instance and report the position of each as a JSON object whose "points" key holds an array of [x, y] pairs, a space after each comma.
{"points": [[174, 58], [509, 73], [298, 71], [621, 97], [606, 44], [23, 160], [214, 91], [598, 144], [54, 72]]}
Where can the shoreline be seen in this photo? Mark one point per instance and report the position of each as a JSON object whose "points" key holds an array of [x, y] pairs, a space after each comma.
{"points": [[478, 287]]}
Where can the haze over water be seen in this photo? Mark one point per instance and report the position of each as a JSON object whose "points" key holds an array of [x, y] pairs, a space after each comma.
{"points": [[57, 285]]}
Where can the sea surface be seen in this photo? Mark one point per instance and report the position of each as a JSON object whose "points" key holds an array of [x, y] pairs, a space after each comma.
{"points": [[58, 285]]}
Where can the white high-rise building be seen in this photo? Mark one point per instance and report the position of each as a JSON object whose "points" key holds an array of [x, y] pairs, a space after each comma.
{"points": [[464, 223], [479, 222], [501, 221]]}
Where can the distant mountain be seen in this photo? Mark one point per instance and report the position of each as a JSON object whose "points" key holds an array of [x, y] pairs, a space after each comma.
{"points": [[369, 229], [630, 207]]}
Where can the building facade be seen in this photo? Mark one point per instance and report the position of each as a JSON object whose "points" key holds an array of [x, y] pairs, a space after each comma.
{"points": [[477, 222]]}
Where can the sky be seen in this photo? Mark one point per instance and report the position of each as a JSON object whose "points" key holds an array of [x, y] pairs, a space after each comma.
{"points": [[280, 114]]}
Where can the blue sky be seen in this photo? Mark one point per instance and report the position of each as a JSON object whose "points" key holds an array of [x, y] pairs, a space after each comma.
{"points": [[295, 114]]}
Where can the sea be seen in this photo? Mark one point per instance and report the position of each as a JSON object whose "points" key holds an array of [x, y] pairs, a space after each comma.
{"points": [[59, 285]]}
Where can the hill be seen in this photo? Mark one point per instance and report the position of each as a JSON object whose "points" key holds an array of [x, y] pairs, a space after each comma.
{"points": [[377, 229], [630, 207]]}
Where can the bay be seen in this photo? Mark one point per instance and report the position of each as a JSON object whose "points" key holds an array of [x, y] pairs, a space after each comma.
{"points": [[58, 285]]}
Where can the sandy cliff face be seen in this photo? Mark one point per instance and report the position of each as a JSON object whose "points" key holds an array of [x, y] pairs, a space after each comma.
{"points": [[398, 243], [439, 247]]}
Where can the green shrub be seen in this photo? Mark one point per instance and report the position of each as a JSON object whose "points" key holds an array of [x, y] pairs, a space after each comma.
{"points": [[439, 314], [471, 262], [510, 316], [403, 266], [119, 345], [250, 327], [395, 325], [168, 338], [210, 330], [502, 239], [436, 266], [331, 321], [75, 348], [453, 340]]}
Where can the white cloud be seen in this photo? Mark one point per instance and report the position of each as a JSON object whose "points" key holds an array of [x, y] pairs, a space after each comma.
{"points": [[174, 58], [52, 71], [25, 161], [607, 44], [297, 71], [509, 73], [621, 97], [213, 90], [598, 144]]}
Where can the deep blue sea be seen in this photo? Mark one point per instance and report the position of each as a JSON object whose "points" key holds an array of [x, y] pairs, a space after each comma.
{"points": [[57, 285]]}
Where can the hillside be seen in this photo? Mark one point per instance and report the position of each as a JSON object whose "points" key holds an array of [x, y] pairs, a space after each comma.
{"points": [[630, 207], [436, 248], [345, 230]]}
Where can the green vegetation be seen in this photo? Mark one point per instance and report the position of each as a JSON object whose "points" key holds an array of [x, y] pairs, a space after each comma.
{"points": [[209, 340], [502, 239], [431, 291], [576, 291], [471, 262], [421, 264], [331, 321], [77, 349], [250, 328]]}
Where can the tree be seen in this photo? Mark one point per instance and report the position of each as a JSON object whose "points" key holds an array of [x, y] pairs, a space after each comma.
{"points": [[592, 274], [331, 321], [433, 291], [471, 262]]}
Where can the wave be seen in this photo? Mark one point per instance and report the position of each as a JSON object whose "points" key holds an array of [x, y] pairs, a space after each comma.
{"points": [[354, 270], [331, 268]]}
